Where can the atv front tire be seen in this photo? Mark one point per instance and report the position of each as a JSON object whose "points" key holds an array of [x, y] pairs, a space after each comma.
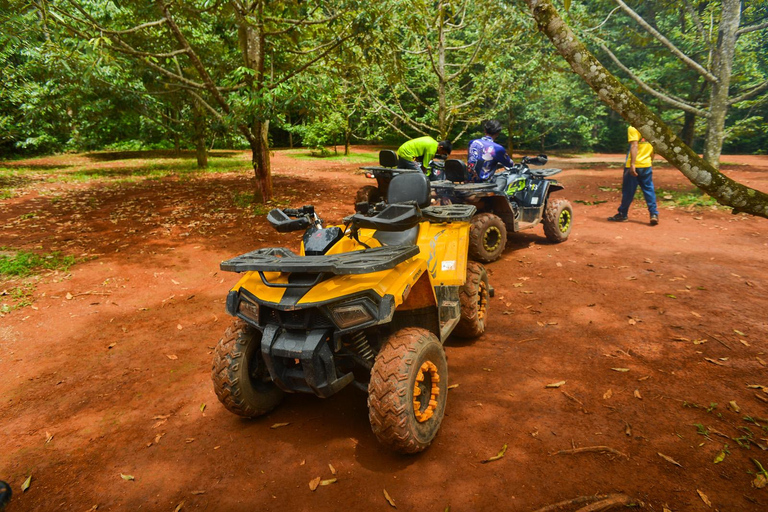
{"points": [[474, 297], [408, 390], [487, 237], [239, 373], [368, 194], [558, 220]]}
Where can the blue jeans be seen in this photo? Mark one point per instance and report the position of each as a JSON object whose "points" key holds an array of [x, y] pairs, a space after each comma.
{"points": [[644, 178]]}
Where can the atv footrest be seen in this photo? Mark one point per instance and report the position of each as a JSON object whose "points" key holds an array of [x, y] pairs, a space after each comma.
{"points": [[355, 262], [302, 361], [449, 213]]}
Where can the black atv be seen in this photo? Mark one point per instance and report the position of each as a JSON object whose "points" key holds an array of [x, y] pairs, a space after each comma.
{"points": [[515, 199], [385, 171]]}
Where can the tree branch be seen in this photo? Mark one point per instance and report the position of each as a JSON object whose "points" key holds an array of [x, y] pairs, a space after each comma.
{"points": [[610, 90], [749, 94], [653, 92], [697, 21], [751, 28], [666, 42]]}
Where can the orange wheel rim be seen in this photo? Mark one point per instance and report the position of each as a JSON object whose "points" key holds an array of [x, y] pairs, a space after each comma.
{"points": [[482, 301], [428, 369]]}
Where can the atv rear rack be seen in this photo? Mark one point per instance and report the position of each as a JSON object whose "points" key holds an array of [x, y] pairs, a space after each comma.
{"points": [[355, 262]]}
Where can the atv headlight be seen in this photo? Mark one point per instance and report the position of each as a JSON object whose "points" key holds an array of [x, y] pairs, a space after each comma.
{"points": [[249, 310], [350, 315]]}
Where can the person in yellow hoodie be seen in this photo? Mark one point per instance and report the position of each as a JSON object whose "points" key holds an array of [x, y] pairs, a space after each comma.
{"points": [[638, 170]]}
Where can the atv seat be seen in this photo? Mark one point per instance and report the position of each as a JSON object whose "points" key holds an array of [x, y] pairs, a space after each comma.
{"points": [[398, 222], [387, 158], [456, 171]]}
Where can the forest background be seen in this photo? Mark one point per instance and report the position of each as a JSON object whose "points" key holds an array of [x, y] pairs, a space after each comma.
{"points": [[92, 75]]}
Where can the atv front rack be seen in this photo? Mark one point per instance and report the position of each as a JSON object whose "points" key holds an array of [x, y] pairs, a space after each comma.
{"points": [[355, 262]]}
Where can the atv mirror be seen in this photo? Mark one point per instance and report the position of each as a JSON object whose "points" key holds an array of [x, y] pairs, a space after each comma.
{"points": [[284, 224]]}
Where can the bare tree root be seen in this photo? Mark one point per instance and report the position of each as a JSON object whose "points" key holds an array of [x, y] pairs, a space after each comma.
{"points": [[605, 502], [598, 449], [610, 501]]}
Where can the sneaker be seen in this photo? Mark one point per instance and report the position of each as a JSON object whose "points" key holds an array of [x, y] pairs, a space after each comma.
{"points": [[618, 218], [654, 220]]}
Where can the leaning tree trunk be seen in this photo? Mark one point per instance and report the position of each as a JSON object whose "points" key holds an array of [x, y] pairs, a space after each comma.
{"points": [[721, 67], [635, 112]]}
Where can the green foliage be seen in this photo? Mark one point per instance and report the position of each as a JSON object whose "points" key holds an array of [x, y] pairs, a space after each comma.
{"points": [[691, 197], [23, 263]]}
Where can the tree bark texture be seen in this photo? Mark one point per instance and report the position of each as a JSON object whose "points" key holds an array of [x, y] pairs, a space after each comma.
{"points": [[619, 98], [253, 47], [722, 65]]}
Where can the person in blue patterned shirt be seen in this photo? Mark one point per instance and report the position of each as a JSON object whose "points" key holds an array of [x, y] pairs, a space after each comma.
{"points": [[485, 155]]}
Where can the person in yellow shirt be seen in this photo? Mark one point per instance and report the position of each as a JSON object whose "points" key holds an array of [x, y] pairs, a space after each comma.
{"points": [[638, 170]]}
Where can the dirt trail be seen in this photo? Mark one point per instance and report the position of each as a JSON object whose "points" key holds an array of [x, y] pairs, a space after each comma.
{"points": [[649, 327]]}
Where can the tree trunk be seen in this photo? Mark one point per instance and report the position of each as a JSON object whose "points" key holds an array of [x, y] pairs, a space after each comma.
{"points": [[252, 40], [261, 163], [689, 129], [290, 133], [441, 102], [722, 65], [347, 137], [198, 123], [620, 99]]}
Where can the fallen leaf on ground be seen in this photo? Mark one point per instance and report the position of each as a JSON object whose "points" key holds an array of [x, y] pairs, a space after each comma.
{"points": [[497, 456], [608, 394], [638, 395], [699, 342], [389, 499], [178, 507], [202, 407], [669, 459], [179, 327], [745, 343], [111, 345], [453, 386], [718, 363], [739, 332], [314, 483], [69, 296], [127, 477], [555, 384], [333, 469], [704, 498], [328, 482], [48, 437], [620, 369], [632, 321], [198, 492], [734, 406], [172, 357], [760, 481], [278, 425], [720, 457], [26, 484]]}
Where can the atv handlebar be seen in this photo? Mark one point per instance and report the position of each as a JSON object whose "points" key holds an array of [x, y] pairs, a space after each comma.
{"points": [[293, 219]]}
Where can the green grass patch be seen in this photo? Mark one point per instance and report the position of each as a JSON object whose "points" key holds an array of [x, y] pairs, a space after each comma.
{"points": [[693, 198], [352, 158], [23, 263]]}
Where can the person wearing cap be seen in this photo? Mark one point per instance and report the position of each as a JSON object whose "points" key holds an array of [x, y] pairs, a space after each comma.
{"points": [[638, 170], [418, 153], [485, 155]]}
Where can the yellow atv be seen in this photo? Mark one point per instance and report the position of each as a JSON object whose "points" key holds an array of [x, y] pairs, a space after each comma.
{"points": [[369, 303]]}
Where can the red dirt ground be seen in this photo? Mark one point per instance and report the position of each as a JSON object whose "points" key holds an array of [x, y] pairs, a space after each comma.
{"points": [[628, 296]]}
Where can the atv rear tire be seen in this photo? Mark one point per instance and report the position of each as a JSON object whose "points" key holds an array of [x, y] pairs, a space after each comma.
{"points": [[474, 297], [558, 220], [368, 194], [408, 390], [487, 237], [238, 373]]}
